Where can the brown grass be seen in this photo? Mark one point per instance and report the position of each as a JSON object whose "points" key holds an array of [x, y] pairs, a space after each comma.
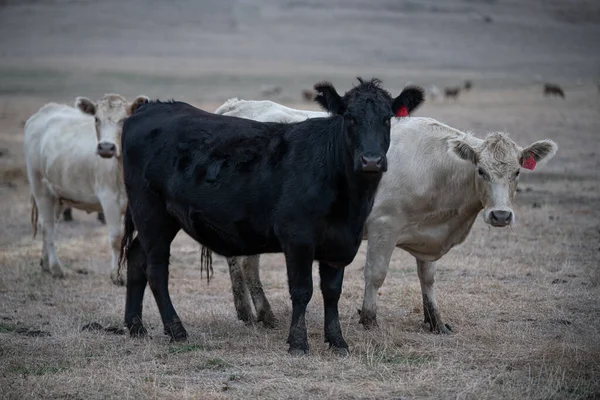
{"points": [[524, 302]]}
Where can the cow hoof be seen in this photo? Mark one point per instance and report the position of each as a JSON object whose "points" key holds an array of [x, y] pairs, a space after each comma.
{"points": [[297, 352], [269, 321], [340, 351], [136, 328], [368, 319], [444, 329], [57, 272], [176, 331]]}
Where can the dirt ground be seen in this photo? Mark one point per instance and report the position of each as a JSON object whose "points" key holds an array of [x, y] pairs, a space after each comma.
{"points": [[524, 302]]}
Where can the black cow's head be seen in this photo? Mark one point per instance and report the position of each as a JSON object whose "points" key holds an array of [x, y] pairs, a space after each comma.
{"points": [[367, 110]]}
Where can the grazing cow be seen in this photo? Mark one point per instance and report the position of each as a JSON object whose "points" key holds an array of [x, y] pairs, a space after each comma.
{"points": [[68, 215], [242, 187], [438, 180], [551, 89], [433, 92], [308, 95], [468, 85], [451, 92], [73, 159]]}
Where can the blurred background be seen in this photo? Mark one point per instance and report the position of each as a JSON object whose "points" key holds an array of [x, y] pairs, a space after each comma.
{"points": [[207, 51]]}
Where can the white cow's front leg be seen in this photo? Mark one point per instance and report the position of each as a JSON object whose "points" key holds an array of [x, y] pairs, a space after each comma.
{"points": [[112, 214], [381, 244], [426, 271]]}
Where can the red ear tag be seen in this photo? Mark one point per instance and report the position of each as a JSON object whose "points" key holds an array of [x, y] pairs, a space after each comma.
{"points": [[402, 112], [529, 163]]}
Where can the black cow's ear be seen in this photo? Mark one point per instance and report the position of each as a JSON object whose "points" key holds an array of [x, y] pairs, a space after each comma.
{"points": [[85, 105], [409, 100], [138, 102], [328, 98]]}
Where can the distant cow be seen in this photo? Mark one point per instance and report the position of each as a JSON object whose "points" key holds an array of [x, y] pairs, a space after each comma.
{"points": [[451, 92], [308, 95], [468, 85], [242, 187], [551, 89], [73, 159], [438, 180]]}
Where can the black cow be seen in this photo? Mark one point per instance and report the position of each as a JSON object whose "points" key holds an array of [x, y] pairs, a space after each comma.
{"points": [[241, 187]]}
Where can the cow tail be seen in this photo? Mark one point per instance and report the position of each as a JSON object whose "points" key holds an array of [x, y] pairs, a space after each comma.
{"points": [[34, 216], [128, 233], [206, 263]]}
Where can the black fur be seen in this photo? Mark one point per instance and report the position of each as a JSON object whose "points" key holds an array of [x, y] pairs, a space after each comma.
{"points": [[242, 187]]}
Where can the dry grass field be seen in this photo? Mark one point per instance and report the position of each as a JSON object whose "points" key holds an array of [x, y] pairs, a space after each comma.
{"points": [[524, 302]]}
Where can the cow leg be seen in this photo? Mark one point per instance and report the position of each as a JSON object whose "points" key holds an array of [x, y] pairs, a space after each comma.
{"points": [[156, 234], [382, 242], [47, 207], [264, 312], [299, 269], [112, 212], [426, 271], [136, 286], [331, 288], [68, 214], [238, 287]]}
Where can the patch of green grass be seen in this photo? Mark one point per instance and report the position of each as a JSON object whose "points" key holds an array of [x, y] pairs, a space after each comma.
{"points": [[38, 370], [6, 328], [215, 364]]}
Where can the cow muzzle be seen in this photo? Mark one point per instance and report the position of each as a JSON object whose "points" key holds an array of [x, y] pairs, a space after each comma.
{"points": [[373, 164], [500, 218], [106, 149]]}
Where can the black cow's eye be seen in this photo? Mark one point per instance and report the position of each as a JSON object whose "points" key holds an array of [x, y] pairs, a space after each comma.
{"points": [[387, 122]]}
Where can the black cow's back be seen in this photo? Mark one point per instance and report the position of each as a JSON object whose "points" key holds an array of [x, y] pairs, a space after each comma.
{"points": [[230, 181]]}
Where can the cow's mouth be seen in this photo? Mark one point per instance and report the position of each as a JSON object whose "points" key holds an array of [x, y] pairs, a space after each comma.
{"points": [[106, 153]]}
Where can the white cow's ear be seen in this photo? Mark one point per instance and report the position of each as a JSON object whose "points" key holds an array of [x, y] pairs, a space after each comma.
{"points": [[540, 150], [138, 102], [462, 150], [85, 105]]}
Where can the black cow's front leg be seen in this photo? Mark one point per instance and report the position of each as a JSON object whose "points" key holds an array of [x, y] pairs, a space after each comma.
{"points": [[331, 287], [158, 277], [299, 269], [136, 286]]}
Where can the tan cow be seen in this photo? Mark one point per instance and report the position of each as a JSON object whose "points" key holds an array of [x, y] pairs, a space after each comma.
{"points": [[73, 159], [438, 181]]}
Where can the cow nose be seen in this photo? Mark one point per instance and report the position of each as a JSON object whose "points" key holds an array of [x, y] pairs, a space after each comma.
{"points": [[106, 149], [500, 217], [371, 164]]}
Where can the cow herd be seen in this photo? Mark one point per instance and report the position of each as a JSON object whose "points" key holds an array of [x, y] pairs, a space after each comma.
{"points": [[258, 177]]}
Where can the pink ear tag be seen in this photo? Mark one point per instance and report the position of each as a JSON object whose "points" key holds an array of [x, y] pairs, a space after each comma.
{"points": [[402, 112], [529, 163]]}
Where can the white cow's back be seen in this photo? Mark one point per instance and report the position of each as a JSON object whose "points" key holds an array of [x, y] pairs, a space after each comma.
{"points": [[266, 111]]}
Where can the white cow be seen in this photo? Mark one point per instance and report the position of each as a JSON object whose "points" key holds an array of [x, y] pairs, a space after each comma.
{"points": [[74, 160], [438, 180]]}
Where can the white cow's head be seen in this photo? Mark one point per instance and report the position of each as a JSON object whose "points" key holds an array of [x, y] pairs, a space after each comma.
{"points": [[497, 164], [109, 112]]}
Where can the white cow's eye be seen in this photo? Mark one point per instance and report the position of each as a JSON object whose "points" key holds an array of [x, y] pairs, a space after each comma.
{"points": [[481, 172], [517, 173]]}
